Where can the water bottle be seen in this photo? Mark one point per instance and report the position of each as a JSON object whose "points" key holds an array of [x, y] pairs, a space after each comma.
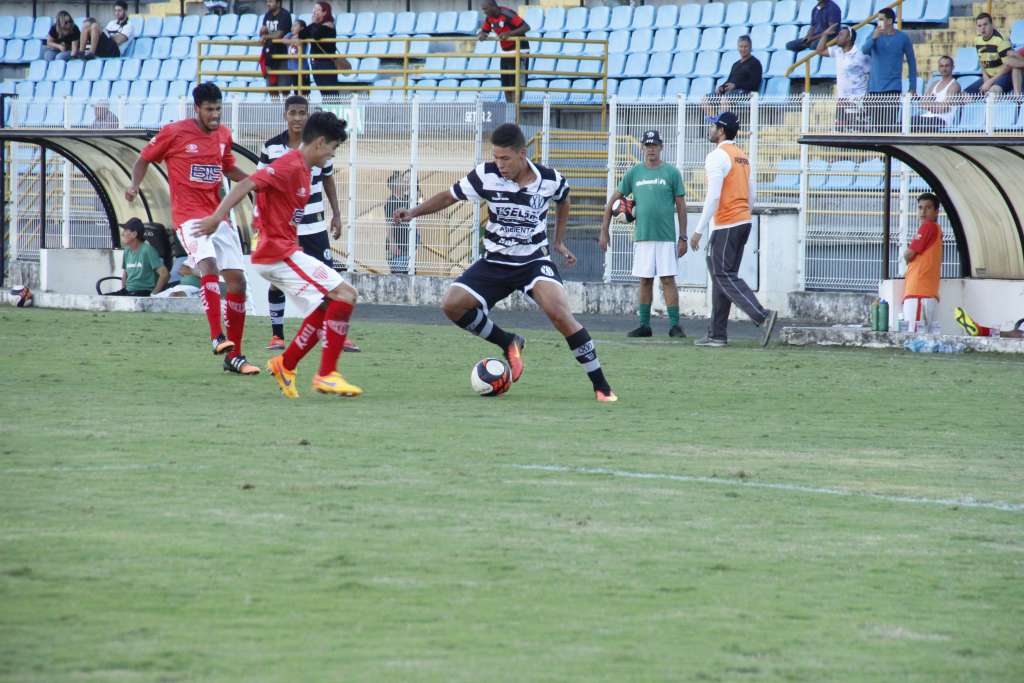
{"points": [[874, 317], [883, 316]]}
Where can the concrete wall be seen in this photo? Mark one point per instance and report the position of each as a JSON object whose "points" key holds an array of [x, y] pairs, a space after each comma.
{"points": [[994, 303], [75, 271]]}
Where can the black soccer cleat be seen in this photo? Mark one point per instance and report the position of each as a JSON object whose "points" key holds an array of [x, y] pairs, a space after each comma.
{"points": [[642, 331], [676, 331], [240, 366], [221, 345]]}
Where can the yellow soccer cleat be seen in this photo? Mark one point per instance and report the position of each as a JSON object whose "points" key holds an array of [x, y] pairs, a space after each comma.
{"points": [[285, 377], [965, 321], [335, 384], [608, 397]]}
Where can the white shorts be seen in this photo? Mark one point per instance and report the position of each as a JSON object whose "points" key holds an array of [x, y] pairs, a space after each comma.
{"points": [[223, 246], [303, 279], [655, 259], [916, 309]]}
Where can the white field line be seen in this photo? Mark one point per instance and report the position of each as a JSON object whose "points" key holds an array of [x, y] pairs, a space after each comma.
{"points": [[94, 468], [793, 488]]}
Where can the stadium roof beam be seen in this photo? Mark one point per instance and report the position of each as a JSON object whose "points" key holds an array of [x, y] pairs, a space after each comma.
{"points": [[977, 179]]}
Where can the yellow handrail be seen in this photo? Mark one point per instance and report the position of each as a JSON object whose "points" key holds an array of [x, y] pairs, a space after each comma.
{"points": [[806, 59]]}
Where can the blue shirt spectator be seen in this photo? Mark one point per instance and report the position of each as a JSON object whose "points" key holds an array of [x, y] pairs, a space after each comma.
{"points": [[825, 15], [887, 47]]}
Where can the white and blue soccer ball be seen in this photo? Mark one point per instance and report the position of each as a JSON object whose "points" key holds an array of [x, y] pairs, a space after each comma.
{"points": [[490, 377]]}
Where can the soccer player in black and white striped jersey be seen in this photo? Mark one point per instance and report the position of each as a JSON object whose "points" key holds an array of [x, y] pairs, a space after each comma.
{"points": [[516, 255], [313, 237]]}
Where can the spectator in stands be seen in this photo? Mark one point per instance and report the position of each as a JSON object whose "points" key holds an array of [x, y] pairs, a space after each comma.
{"points": [[322, 30], [887, 47], [1013, 68], [852, 70], [217, 7], [276, 22], [104, 117], [111, 41], [143, 271], [825, 16], [992, 48], [397, 241], [973, 329], [505, 23], [295, 47], [744, 78], [64, 39], [938, 110], [187, 284], [924, 266]]}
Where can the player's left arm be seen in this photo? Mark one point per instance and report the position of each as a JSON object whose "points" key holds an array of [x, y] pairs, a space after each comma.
{"points": [[561, 222], [331, 192], [239, 190], [926, 236]]}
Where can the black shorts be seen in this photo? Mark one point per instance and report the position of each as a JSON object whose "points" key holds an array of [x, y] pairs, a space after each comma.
{"points": [[318, 245], [107, 47], [489, 282]]}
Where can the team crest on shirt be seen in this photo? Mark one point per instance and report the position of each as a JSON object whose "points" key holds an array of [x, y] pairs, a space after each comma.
{"points": [[536, 201], [205, 173], [192, 148], [547, 270], [301, 192]]}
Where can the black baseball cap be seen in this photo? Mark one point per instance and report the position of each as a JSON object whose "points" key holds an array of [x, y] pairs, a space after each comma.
{"points": [[651, 137], [727, 120], [134, 225]]}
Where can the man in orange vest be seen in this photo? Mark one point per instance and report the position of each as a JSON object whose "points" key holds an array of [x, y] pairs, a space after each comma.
{"points": [[731, 193], [924, 266]]}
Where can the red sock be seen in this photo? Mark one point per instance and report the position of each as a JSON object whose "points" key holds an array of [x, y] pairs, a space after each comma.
{"points": [[235, 317], [335, 331], [210, 294], [305, 339], [983, 331]]}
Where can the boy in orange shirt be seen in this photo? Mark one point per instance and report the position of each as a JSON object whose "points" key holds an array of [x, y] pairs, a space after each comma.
{"points": [[924, 266]]}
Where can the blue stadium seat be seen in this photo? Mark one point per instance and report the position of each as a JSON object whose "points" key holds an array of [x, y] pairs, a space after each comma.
{"points": [[643, 17], [532, 95], [453, 65], [365, 22], [652, 90], [468, 92], [208, 24], [169, 112], [169, 69], [683, 63], [666, 17], [137, 23], [841, 175], [446, 95], [761, 36], [567, 66], [41, 27], [379, 94], [641, 40], [433, 67], [937, 12], [781, 60], [972, 118], [554, 20], [142, 48], [699, 88], [965, 62], [74, 70], [384, 24], [575, 19], [151, 112], [138, 90], [13, 50], [371, 65], [228, 25], [913, 11], [190, 26], [573, 48], [23, 26], [621, 19], [44, 90], [629, 89], [616, 64], [469, 22], [54, 115], [582, 97], [593, 48], [636, 65], [130, 115], [676, 86], [736, 13], [803, 15], [150, 70], [660, 65], [817, 174], [689, 16], [25, 89], [248, 25], [598, 18], [425, 22], [100, 90], [181, 47], [664, 40], [33, 51], [127, 69], [784, 180], [405, 22], [7, 25], [1004, 115], [37, 70], [55, 70], [158, 90], [1017, 33], [120, 88], [732, 36], [493, 95], [377, 48], [560, 84], [548, 47], [170, 26], [178, 89], [618, 41], [785, 12], [857, 11], [153, 27], [93, 70], [775, 88], [711, 38], [760, 12], [826, 69], [784, 34], [61, 89], [534, 16], [706, 65], [728, 59], [713, 14], [345, 25]]}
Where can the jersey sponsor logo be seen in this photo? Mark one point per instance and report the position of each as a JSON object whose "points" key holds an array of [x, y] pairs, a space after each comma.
{"points": [[297, 216], [338, 326], [652, 181], [301, 192], [192, 148], [547, 270], [536, 201], [518, 212], [742, 161], [205, 173]]}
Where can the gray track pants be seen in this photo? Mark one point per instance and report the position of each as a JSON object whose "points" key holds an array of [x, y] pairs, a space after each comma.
{"points": [[724, 254]]}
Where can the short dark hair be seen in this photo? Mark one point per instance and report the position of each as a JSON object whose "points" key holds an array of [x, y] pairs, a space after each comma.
{"points": [[508, 135], [296, 100], [122, 4], [324, 124], [730, 133], [984, 15], [929, 197], [745, 39], [887, 12], [206, 92], [946, 57]]}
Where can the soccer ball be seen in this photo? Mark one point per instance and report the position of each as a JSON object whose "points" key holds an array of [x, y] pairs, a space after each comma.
{"points": [[624, 207], [490, 377]]}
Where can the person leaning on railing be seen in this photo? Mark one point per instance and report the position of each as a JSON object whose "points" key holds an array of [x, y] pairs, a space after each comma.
{"points": [[852, 69], [938, 102], [505, 23], [321, 29]]}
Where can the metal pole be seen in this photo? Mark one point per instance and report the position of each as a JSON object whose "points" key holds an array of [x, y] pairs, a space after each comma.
{"points": [[3, 201], [886, 210], [414, 161], [613, 122], [801, 240], [15, 181], [65, 213], [42, 197], [545, 132], [478, 157], [755, 124], [350, 261]]}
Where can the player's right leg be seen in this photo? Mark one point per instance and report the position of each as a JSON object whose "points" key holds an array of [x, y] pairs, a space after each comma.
{"points": [[341, 301], [467, 302], [645, 268], [202, 256]]}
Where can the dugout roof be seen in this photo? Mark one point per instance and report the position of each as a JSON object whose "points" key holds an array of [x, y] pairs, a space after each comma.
{"points": [[979, 180], [106, 156]]}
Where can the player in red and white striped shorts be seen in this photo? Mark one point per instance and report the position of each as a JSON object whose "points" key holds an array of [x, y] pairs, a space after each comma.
{"points": [[327, 301]]}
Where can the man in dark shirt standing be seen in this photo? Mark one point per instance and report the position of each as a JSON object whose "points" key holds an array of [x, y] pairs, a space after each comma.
{"points": [[505, 23], [744, 78], [823, 16], [276, 22]]}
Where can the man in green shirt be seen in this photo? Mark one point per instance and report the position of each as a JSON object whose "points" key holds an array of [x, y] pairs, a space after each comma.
{"points": [[143, 271], [659, 199]]}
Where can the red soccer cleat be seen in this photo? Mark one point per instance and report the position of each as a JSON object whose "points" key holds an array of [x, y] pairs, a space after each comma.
{"points": [[603, 397], [275, 343], [513, 354]]}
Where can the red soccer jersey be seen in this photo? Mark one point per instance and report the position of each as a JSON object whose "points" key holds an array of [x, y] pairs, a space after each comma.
{"points": [[506, 20], [196, 162], [282, 194]]}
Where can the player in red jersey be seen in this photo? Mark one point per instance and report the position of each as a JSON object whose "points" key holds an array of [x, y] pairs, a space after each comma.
{"points": [[327, 301], [198, 154]]}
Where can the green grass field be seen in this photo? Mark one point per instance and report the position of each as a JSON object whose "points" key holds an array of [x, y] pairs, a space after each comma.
{"points": [[740, 515]]}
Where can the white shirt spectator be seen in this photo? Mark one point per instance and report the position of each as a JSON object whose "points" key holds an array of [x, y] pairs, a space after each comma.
{"points": [[852, 70], [125, 29]]}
